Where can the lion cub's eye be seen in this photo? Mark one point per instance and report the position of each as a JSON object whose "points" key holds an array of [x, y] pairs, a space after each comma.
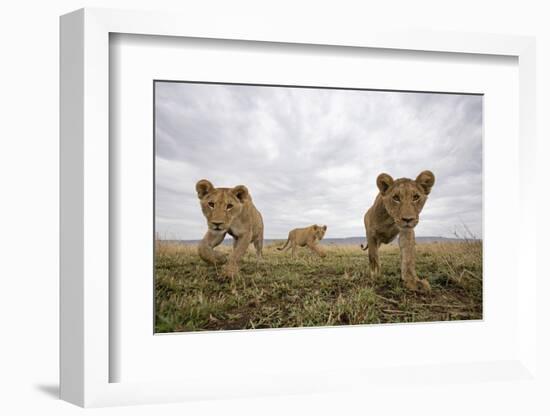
{"points": [[416, 197], [396, 198], [229, 206], [211, 204]]}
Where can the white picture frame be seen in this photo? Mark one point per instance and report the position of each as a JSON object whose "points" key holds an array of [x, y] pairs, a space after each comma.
{"points": [[85, 178]]}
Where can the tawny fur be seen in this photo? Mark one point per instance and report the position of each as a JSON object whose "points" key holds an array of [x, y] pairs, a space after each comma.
{"points": [[395, 212], [229, 211], [306, 237]]}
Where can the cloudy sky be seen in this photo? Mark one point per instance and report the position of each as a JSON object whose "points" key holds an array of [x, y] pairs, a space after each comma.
{"points": [[312, 155]]}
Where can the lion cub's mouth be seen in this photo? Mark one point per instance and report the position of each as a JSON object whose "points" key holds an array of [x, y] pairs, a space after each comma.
{"points": [[407, 225], [216, 227]]}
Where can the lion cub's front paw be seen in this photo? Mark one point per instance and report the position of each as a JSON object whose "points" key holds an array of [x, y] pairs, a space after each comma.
{"points": [[229, 271], [425, 285], [418, 285], [220, 258]]}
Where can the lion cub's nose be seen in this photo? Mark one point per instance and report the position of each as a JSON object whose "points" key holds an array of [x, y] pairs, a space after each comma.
{"points": [[217, 223], [407, 219]]}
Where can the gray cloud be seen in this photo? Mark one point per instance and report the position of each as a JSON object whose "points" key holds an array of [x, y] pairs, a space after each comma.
{"points": [[312, 155]]}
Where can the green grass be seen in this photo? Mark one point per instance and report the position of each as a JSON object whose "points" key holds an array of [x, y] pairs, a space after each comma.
{"points": [[280, 292]]}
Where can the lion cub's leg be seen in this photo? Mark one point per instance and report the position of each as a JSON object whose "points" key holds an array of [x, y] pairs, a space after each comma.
{"points": [[374, 260], [313, 247], [293, 246], [408, 262], [239, 248], [206, 248], [258, 245]]}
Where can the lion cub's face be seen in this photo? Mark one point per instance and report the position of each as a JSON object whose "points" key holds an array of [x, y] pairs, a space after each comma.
{"points": [[404, 198], [220, 206], [320, 231]]}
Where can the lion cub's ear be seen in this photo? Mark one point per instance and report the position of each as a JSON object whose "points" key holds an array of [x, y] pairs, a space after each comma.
{"points": [[384, 181], [203, 188], [426, 180], [241, 193], [324, 227]]}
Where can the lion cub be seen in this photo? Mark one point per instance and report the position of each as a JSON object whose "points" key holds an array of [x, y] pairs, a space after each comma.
{"points": [[309, 236], [229, 211], [395, 211]]}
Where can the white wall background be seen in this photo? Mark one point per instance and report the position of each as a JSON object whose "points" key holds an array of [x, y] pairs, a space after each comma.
{"points": [[29, 204]]}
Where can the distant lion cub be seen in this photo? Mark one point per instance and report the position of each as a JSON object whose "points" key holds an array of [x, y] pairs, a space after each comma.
{"points": [[309, 236]]}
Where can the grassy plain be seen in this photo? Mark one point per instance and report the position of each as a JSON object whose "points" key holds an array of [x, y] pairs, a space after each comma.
{"points": [[278, 291]]}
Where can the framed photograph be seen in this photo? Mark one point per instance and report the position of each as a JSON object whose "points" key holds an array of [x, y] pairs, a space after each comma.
{"points": [[305, 156], [264, 212]]}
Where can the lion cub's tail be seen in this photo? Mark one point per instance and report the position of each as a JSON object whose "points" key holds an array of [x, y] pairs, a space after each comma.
{"points": [[286, 244]]}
